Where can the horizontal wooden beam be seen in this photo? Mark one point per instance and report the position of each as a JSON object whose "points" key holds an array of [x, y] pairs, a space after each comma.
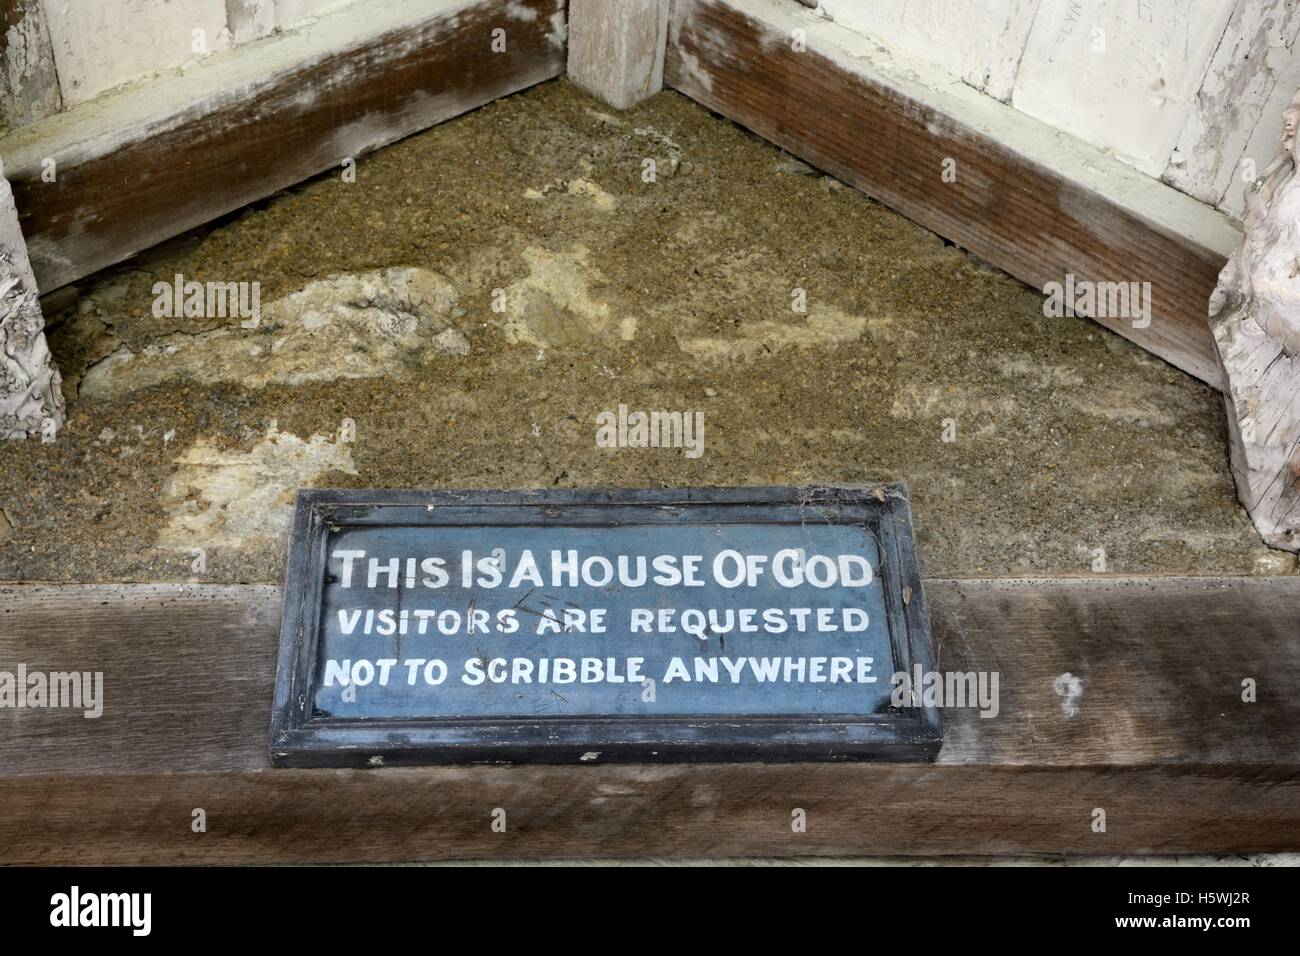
{"points": [[700, 810], [1023, 196], [1116, 694], [138, 166]]}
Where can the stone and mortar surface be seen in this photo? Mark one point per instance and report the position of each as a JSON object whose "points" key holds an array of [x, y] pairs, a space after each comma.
{"points": [[377, 307]]}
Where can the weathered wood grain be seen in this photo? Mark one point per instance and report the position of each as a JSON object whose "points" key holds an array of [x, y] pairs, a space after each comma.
{"points": [[616, 50], [29, 82], [102, 45], [1256, 62], [1155, 732], [31, 397], [1027, 198], [138, 166], [12, 243], [981, 41], [1158, 664], [1255, 318], [188, 675], [1122, 76], [702, 810]]}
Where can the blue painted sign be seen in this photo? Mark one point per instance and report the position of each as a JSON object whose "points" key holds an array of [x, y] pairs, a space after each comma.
{"points": [[713, 624]]}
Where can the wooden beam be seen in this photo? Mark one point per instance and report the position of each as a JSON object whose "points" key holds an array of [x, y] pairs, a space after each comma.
{"points": [[679, 810], [1119, 694], [616, 50], [143, 164], [1025, 197]]}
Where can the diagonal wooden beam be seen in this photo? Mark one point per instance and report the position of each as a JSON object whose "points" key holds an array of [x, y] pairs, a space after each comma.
{"points": [[141, 165], [1027, 198]]}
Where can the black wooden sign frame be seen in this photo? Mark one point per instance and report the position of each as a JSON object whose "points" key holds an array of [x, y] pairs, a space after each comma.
{"points": [[301, 739]]}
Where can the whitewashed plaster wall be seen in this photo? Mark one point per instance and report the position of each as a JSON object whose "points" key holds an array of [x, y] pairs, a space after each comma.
{"points": [[1184, 90]]}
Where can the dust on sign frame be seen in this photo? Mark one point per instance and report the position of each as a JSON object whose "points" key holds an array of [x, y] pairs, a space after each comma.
{"points": [[562, 625]]}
